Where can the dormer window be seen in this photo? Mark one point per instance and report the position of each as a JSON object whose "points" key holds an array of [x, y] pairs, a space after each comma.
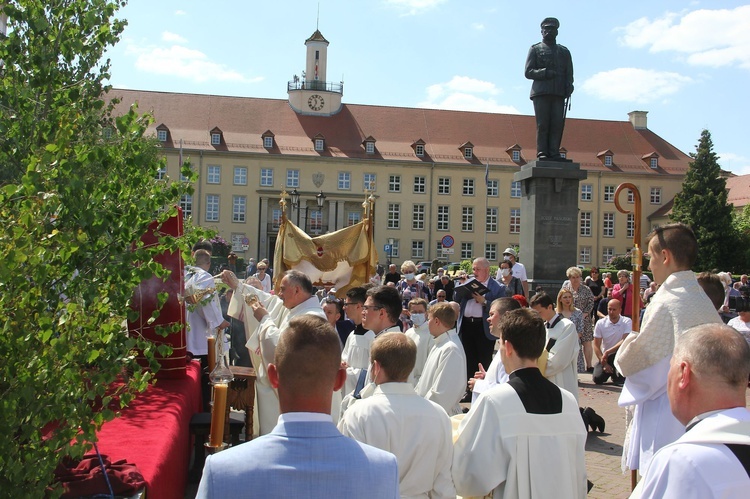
{"points": [[467, 148], [107, 133], [606, 157], [516, 156], [563, 153], [162, 133], [652, 160], [654, 163], [418, 147], [216, 136], [369, 144], [320, 142], [514, 152], [268, 139]]}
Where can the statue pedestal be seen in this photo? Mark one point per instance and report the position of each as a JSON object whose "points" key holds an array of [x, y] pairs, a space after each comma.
{"points": [[549, 221]]}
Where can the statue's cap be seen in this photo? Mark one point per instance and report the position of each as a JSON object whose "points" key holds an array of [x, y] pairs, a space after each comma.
{"points": [[551, 21]]}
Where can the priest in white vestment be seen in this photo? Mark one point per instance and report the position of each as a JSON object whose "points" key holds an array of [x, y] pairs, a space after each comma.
{"points": [[394, 418], [679, 304], [562, 345], [420, 335], [523, 438], [266, 317], [706, 387], [443, 378]]}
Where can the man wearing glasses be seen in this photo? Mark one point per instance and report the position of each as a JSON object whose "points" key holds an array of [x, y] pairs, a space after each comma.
{"points": [[356, 353]]}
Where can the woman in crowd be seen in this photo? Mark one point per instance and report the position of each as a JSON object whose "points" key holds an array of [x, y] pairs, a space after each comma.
{"points": [[566, 308], [624, 292], [583, 300], [512, 284], [596, 285]]}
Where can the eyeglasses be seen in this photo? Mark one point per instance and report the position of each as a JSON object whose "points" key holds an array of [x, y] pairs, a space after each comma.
{"points": [[372, 307]]}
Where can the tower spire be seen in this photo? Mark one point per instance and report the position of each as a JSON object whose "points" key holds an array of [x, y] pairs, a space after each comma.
{"points": [[317, 21]]}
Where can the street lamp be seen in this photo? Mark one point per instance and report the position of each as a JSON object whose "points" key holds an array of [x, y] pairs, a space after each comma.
{"points": [[295, 202], [320, 198]]}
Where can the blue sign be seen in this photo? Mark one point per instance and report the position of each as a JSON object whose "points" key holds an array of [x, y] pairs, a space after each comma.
{"points": [[387, 248], [447, 241]]}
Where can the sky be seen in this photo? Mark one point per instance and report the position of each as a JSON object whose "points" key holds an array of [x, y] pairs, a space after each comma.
{"points": [[685, 62]]}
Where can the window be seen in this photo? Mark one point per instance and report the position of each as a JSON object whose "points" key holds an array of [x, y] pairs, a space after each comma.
{"points": [[609, 193], [212, 208], [316, 220], [585, 227], [276, 219], [238, 208], [215, 139], [656, 195], [419, 150], [563, 154], [490, 251], [292, 178], [468, 187], [353, 218], [394, 215], [587, 192], [585, 255], [607, 255], [394, 183], [609, 225], [268, 142], [186, 203], [491, 224], [369, 182], [608, 160], [493, 188], [468, 152], [214, 174], [631, 197], [467, 219], [515, 155], [319, 144], [161, 173], [394, 249], [443, 217], [417, 219], [161, 135], [417, 249], [467, 250], [515, 220], [240, 175], [266, 177], [370, 147], [345, 181], [630, 225], [654, 163], [515, 189], [419, 185], [444, 185]]}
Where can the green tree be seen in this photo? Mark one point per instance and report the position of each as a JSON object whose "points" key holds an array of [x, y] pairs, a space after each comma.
{"points": [[702, 204], [73, 205], [741, 225]]}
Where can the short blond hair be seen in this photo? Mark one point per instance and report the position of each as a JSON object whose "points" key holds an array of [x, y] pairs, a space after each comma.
{"points": [[573, 272], [444, 312]]}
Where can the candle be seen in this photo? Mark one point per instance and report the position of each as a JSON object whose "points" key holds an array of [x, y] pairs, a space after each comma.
{"points": [[211, 354], [218, 414]]}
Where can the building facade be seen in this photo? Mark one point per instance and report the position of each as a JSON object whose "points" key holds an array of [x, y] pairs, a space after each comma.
{"points": [[433, 172]]}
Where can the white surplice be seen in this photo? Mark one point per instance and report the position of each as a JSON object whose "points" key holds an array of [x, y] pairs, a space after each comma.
{"points": [[494, 375], [679, 304], [444, 377], [356, 354], [698, 464], [423, 339], [503, 450], [394, 418], [563, 356], [204, 317], [262, 338]]}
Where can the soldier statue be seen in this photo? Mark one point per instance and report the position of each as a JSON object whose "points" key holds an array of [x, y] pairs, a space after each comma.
{"points": [[551, 67]]}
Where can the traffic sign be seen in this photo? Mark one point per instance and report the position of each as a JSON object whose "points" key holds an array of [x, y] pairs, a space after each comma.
{"points": [[447, 241], [448, 251], [387, 248]]}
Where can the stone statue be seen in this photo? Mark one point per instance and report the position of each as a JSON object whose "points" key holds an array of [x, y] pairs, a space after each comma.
{"points": [[551, 68]]}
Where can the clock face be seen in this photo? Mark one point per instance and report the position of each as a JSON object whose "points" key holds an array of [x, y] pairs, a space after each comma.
{"points": [[315, 102]]}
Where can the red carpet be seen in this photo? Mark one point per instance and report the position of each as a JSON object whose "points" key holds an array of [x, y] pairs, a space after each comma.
{"points": [[153, 433]]}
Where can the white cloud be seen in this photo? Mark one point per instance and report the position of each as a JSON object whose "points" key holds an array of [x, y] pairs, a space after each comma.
{"points": [[465, 94], [412, 7], [708, 37], [180, 13], [478, 26], [183, 62], [635, 85], [735, 163], [172, 37]]}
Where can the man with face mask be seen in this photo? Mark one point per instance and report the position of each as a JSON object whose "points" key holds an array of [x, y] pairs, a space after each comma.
{"points": [[420, 335]]}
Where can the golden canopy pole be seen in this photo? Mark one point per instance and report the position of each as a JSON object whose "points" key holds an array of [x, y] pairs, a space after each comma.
{"points": [[636, 256], [369, 206]]}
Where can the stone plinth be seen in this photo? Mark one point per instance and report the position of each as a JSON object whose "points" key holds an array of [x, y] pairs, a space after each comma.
{"points": [[549, 221]]}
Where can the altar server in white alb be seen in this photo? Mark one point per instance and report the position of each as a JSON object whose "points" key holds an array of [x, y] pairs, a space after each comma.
{"points": [[420, 335], [356, 353], [443, 379], [394, 418], [679, 304], [562, 344], [523, 438], [706, 386], [265, 317]]}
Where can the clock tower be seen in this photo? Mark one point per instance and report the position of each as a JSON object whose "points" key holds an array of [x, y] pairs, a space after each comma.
{"points": [[312, 94]]}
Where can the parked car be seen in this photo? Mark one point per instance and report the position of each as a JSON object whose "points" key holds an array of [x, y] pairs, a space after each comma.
{"points": [[452, 268], [424, 267]]}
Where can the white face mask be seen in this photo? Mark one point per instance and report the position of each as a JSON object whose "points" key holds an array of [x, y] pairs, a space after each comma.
{"points": [[409, 277], [505, 272], [418, 319], [506, 258]]}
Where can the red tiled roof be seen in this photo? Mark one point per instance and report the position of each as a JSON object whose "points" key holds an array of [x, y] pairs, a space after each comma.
{"points": [[738, 190], [243, 120]]}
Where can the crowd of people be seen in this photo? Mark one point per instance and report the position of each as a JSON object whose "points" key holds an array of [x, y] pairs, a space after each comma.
{"points": [[469, 386]]}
